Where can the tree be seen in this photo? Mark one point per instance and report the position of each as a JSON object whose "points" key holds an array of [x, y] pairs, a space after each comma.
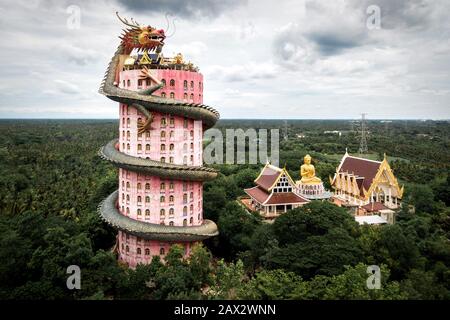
{"points": [[398, 250], [325, 254], [199, 265], [421, 196], [314, 219], [421, 284], [227, 280], [270, 285], [236, 227]]}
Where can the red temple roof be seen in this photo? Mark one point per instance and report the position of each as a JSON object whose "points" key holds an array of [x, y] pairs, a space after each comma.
{"points": [[257, 193], [285, 198], [264, 197], [268, 176], [365, 170], [374, 207]]}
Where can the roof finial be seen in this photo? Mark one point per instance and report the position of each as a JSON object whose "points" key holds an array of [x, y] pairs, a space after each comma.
{"points": [[384, 157], [346, 151]]}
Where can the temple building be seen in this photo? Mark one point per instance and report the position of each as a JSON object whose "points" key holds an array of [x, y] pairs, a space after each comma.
{"points": [[275, 193], [369, 188]]}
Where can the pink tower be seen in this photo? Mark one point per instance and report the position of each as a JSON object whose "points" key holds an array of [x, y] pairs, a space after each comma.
{"points": [[159, 151]]}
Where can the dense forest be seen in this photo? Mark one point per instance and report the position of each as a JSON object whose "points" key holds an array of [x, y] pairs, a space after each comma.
{"points": [[52, 180]]}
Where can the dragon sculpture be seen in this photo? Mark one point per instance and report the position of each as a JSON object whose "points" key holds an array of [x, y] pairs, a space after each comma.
{"points": [[137, 37]]}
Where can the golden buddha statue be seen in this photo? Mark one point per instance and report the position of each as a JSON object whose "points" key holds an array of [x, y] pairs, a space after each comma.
{"points": [[308, 172], [179, 59]]}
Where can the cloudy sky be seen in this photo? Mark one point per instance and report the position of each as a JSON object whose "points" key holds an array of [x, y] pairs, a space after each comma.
{"points": [[260, 59]]}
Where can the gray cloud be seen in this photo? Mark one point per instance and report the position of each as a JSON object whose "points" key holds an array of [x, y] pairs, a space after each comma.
{"points": [[321, 62], [183, 8], [331, 43]]}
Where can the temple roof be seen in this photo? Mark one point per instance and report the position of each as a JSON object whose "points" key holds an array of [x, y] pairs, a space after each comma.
{"points": [[258, 194], [366, 174], [364, 169], [285, 198], [268, 177], [266, 198], [374, 207]]}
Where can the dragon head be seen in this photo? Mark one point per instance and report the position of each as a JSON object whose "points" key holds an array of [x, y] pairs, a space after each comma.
{"points": [[140, 37]]}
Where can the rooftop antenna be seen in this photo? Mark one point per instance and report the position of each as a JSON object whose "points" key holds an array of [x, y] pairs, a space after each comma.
{"points": [[363, 142]]}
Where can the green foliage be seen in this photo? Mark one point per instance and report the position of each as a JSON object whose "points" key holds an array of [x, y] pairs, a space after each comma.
{"points": [[314, 239], [270, 285], [314, 219], [227, 280], [51, 182]]}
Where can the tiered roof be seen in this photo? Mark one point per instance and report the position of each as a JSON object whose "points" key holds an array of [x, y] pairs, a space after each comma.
{"points": [[364, 170], [357, 175], [266, 181]]}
